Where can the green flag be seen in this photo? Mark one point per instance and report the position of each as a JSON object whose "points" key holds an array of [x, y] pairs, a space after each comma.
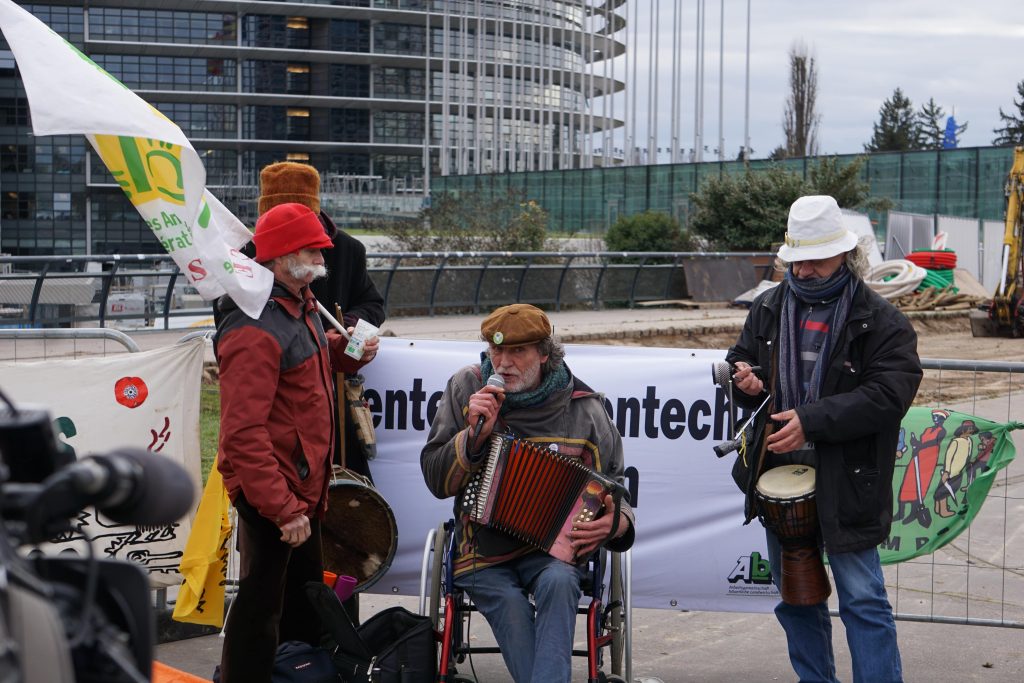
{"points": [[945, 465]]}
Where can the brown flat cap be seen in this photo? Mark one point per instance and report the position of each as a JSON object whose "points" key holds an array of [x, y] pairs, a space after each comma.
{"points": [[289, 183], [516, 325]]}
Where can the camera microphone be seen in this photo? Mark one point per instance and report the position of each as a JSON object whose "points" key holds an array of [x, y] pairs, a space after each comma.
{"points": [[494, 380], [129, 486]]}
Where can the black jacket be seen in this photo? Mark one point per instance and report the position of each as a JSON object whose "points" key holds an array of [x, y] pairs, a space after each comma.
{"points": [[870, 382], [348, 283]]}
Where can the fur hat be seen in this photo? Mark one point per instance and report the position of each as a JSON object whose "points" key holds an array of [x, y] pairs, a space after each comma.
{"points": [[516, 325], [287, 182], [815, 230], [287, 228]]}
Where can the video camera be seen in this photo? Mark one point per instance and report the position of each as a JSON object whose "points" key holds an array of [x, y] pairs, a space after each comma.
{"points": [[75, 619]]}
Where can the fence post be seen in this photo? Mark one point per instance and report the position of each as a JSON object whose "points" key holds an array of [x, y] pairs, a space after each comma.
{"points": [[433, 285], [561, 280], [636, 276], [522, 278], [600, 278], [391, 276], [480, 284], [167, 297], [36, 291], [106, 291]]}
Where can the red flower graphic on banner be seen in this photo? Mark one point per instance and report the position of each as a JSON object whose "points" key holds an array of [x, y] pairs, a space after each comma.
{"points": [[130, 392]]}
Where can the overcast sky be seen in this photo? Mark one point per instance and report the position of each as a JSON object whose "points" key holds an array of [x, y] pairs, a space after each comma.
{"points": [[967, 55]]}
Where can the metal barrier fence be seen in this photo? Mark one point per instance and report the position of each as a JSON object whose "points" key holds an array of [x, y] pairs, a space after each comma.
{"points": [[976, 579], [147, 290]]}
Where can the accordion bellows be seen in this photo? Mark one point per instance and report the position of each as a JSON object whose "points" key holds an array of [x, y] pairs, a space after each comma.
{"points": [[534, 494]]}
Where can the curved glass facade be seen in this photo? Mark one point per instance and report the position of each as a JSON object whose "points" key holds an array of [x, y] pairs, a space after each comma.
{"points": [[380, 95]]}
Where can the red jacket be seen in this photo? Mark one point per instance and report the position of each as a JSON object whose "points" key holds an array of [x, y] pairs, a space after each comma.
{"points": [[277, 404]]}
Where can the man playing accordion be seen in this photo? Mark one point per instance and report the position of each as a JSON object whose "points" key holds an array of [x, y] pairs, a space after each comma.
{"points": [[842, 369], [523, 387]]}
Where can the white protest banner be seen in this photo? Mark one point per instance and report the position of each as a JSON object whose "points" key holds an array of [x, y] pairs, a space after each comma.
{"points": [[148, 155], [691, 550], [146, 400]]}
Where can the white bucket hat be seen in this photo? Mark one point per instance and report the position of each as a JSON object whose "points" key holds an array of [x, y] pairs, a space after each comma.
{"points": [[815, 230]]}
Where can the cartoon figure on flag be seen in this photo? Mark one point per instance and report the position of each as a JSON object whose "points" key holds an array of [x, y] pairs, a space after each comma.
{"points": [[920, 469]]}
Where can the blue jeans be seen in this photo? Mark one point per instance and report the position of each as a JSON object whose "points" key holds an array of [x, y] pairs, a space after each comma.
{"points": [[535, 643], [866, 613]]}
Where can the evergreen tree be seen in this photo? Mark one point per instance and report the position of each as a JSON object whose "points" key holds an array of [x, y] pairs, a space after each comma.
{"points": [[800, 119], [931, 125], [748, 211], [896, 130], [1012, 132]]}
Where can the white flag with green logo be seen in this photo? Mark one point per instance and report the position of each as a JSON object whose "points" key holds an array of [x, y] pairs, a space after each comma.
{"points": [[148, 155]]}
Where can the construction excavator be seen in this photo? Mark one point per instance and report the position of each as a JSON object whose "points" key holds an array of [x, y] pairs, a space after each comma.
{"points": [[1003, 316]]}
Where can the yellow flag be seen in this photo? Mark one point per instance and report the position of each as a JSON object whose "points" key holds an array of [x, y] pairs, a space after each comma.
{"points": [[204, 564]]}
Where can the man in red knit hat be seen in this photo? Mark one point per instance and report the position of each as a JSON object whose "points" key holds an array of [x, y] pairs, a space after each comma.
{"points": [[276, 441]]}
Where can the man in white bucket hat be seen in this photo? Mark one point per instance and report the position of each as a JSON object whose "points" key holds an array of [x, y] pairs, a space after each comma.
{"points": [[840, 365]]}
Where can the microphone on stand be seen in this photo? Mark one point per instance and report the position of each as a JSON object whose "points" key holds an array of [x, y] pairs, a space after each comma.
{"points": [[494, 380]]}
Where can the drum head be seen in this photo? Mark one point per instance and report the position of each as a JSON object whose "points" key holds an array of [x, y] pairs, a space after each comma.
{"points": [[359, 533], [786, 482]]}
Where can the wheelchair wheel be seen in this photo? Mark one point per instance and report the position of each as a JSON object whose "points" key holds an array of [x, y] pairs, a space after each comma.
{"points": [[609, 678], [436, 598]]}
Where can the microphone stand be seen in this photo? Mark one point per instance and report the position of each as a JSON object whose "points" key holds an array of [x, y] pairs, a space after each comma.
{"points": [[727, 447]]}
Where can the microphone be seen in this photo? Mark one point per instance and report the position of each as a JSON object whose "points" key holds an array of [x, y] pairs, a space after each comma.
{"points": [[130, 486], [721, 375], [494, 380]]}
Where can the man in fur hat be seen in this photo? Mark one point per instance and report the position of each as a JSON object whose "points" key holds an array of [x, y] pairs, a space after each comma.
{"points": [[277, 434], [347, 285]]}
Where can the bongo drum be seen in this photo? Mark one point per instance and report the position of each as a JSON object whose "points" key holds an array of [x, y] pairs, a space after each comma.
{"points": [[786, 507], [359, 534]]}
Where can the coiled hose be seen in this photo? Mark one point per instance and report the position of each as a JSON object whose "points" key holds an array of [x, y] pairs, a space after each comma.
{"points": [[893, 279]]}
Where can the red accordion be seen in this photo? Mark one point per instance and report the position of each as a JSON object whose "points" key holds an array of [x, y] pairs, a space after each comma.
{"points": [[534, 494]]}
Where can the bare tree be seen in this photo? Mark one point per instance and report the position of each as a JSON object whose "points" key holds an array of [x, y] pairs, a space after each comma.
{"points": [[800, 119]]}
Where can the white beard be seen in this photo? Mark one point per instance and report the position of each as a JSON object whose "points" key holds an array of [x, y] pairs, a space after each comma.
{"points": [[302, 272], [528, 380]]}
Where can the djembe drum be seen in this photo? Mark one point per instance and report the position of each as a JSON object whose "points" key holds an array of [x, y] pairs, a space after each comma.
{"points": [[786, 507], [359, 533]]}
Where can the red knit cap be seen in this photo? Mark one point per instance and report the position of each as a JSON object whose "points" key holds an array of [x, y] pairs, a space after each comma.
{"points": [[287, 228]]}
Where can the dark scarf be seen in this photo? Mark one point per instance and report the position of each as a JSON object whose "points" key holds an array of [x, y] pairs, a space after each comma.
{"points": [[842, 285], [551, 382]]}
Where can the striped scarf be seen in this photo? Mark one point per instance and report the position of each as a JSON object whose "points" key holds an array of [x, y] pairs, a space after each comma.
{"points": [[840, 284]]}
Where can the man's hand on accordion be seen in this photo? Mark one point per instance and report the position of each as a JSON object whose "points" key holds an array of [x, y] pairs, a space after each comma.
{"points": [[589, 536]]}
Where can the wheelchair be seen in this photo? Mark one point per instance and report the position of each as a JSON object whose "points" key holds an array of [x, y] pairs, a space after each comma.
{"points": [[608, 624]]}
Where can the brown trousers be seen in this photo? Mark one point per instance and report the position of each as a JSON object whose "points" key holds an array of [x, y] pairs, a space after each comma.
{"points": [[271, 606]]}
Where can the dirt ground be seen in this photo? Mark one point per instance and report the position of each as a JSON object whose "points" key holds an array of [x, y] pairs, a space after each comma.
{"points": [[938, 338]]}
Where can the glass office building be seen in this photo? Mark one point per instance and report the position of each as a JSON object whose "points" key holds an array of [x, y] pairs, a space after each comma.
{"points": [[379, 95]]}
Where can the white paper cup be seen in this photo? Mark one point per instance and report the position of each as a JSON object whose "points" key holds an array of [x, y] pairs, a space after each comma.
{"points": [[362, 332]]}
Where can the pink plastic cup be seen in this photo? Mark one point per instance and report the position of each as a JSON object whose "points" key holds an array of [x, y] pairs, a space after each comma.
{"points": [[344, 587]]}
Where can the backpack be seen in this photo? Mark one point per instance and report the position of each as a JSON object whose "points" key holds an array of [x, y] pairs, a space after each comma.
{"points": [[393, 646], [299, 662]]}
